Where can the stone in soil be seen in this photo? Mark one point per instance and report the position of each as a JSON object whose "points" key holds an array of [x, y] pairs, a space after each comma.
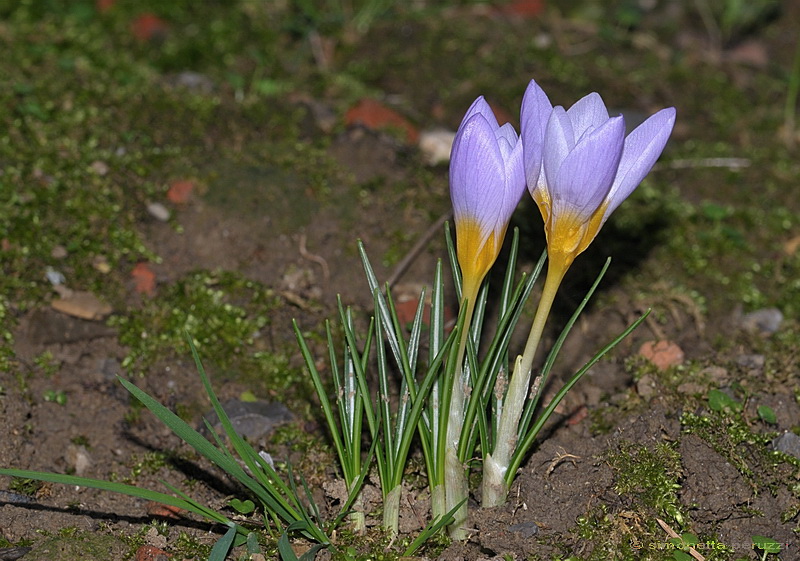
{"points": [[252, 419], [788, 443]]}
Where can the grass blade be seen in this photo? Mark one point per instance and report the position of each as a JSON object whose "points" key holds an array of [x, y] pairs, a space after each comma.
{"points": [[120, 488], [220, 550]]}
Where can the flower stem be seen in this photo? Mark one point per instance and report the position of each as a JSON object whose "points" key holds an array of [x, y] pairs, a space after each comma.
{"points": [[456, 488], [494, 486]]}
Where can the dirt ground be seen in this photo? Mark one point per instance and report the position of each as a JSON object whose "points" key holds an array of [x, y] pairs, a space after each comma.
{"points": [[577, 495]]}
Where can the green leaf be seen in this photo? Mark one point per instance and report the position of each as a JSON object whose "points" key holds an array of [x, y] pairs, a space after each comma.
{"points": [[121, 488], [768, 545], [680, 555], [252, 543], [285, 548], [242, 507], [767, 414], [220, 550], [720, 401], [431, 529]]}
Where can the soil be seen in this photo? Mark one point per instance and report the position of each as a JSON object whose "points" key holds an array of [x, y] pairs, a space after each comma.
{"points": [[569, 497]]}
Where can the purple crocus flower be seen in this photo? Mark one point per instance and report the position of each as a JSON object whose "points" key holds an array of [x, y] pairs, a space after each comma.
{"points": [[580, 166], [487, 179]]}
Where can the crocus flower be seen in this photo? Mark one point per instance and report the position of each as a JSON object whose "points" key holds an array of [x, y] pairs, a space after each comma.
{"points": [[580, 166], [487, 179]]}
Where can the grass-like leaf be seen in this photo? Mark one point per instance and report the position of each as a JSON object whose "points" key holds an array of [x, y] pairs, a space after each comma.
{"points": [[530, 436], [431, 529], [220, 550], [120, 488]]}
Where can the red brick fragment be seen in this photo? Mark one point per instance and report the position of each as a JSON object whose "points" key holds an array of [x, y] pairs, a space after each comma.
{"points": [[164, 511], [151, 553], [663, 354], [180, 191], [144, 279], [374, 115], [148, 27]]}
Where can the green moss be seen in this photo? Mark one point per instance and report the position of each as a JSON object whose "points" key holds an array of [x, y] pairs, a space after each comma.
{"points": [[648, 476], [151, 463], [47, 363], [73, 544], [226, 315], [191, 547], [734, 439]]}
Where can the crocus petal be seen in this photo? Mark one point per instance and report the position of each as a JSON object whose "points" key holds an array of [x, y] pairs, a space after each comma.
{"points": [[534, 114], [586, 174], [515, 184], [476, 165], [507, 139], [559, 140], [480, 106], [487, 179], [642, 148], [579, 166], [588, 112]]}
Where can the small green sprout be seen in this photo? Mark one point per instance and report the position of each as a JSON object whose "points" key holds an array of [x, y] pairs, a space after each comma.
{"points": [[766, 545], [242, 507], [767, 414], [720, 401], [58, 397], [683, 543]]}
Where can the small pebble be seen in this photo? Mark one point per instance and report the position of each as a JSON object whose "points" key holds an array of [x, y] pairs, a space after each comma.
{"points": [[717, 374], [100, 168], [252, 419], [80, 304], [646, 386], [161, 510], [765, 321], [691, 388], [525, 529], [11, 497], [78, 459], [54, 277], [101, 264], [751, 362], [155, 539], [435, 145], [194, 81], [59, 252], [158, 211], [151, 553], [788, 443]]}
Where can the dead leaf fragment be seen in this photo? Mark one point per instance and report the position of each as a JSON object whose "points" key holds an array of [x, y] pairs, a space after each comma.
{"points": [[791, 246], [80, 304]]}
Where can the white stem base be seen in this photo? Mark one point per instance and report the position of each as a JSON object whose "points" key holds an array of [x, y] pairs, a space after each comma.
{"points": [[457, 491], [494, 490], [391, 511]]}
